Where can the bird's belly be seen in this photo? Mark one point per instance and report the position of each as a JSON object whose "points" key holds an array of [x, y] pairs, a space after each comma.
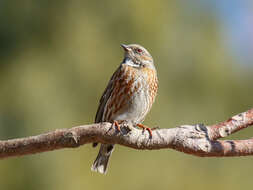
{"points": [[135, 109]]}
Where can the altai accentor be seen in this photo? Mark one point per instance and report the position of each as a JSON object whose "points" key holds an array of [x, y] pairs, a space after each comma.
{"points": [[128, 96]]}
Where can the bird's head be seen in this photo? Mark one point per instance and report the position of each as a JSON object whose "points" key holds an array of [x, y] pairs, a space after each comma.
{"points": [[137, 56]]}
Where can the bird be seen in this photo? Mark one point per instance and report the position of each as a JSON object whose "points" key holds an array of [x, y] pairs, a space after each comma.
{"points": [[129, 96]]}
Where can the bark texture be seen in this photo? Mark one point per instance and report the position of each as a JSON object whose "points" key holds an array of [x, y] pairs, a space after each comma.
{"points": [[198, 140]]}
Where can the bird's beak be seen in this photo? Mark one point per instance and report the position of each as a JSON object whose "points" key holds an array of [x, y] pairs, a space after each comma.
{"points": [[125, 47]]}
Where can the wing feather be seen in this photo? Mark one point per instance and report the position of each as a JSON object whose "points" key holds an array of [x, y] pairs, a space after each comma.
{"points": [[105, 97]]}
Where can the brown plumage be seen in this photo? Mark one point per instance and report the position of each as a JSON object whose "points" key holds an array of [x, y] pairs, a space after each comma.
{"points": [[128, 96]]}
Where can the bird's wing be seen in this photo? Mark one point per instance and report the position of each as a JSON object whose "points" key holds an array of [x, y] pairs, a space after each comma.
{"points": [[106, 95]]}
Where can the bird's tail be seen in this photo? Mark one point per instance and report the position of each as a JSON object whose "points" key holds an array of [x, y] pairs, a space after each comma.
{"points": [[101, 162]]}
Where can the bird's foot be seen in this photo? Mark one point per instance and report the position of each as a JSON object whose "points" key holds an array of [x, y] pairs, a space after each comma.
{"points": [[123, 126], [146, 128], [116, 124]]}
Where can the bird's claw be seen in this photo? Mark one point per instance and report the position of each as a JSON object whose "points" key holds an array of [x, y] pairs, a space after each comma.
{"points": [[146, 128], [116, 124]]}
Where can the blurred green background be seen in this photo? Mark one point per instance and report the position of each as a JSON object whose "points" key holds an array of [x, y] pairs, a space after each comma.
{"points": [[56, 58]]}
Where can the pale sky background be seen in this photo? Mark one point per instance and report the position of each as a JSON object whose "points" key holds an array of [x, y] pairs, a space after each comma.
{"points": [[235, 19]]}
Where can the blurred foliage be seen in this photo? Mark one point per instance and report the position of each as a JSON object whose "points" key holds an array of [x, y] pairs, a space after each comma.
{"points": [[56, 58]]}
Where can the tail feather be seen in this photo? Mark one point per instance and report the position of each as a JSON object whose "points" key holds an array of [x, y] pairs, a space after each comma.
{"points": [[101, 162]]}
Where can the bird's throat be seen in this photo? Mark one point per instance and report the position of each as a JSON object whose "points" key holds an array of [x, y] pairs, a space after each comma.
{"points": [[130, 62]]}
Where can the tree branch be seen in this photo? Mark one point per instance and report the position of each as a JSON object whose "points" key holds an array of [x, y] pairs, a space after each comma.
{"points": [[198, 140]]}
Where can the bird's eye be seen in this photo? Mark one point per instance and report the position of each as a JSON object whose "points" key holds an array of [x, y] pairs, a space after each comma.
{"points": [[139, 50]]}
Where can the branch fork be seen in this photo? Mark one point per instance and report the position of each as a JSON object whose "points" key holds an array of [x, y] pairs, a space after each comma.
{"points": [[198, 140]]}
